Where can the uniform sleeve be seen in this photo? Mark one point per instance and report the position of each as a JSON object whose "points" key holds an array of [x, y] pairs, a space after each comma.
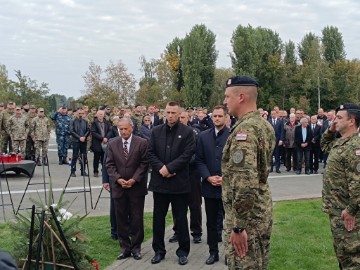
{"points": [[245, 177], [353, 180], [327, 141]]}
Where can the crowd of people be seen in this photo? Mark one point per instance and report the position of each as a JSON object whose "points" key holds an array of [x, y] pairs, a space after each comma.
{"points": [[223, 156]]}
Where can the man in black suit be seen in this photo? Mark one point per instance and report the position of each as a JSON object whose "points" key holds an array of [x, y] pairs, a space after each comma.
{"points": [[99, 130], [155, 121], [171, 148], [278, 126], [303, 138], [315, 145], [127, 166]]}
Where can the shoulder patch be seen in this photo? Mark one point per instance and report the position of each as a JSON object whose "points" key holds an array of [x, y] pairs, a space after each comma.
{"points": [[238, 156], [357, 152], [240, 136]]}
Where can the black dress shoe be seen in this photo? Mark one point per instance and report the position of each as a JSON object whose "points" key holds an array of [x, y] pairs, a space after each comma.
{"points": [[315, 172], [124, 255], [157, 258], [173, 239], [212, 259], [271, 170], [114, 237], [197, 239], [73, 175], [311, 171], [307, 172], [183, 260], [137, 256], [278, 171], [298, 172], [84, 174]]}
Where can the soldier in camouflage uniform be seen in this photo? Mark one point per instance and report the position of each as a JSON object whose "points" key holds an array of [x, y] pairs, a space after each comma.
{"points": [[5, 137], [62, 125], [245, 166], [18, 129], [138, 117], [40, 134], [341, 184], [30, 148]]}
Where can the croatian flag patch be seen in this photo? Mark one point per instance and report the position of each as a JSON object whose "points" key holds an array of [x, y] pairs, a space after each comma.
{"points": [[241, 136]]}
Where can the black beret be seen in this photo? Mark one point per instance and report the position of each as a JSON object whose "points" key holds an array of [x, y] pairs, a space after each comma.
{"points": [[241, 81], [349, 107]]}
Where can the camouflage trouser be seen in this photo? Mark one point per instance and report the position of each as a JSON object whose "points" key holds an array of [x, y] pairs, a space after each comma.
{"points": [[257, 257], [44, 145], [19, 145], [88, 145], [346, 244], [63, 142], [5, 142], [30, 149]]}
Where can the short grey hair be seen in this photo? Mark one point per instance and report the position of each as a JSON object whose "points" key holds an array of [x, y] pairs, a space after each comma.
{"points": [[303, 120], [127, 120]]}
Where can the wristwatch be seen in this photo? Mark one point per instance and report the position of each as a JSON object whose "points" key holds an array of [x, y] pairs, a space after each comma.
{"points": [[238, 230]]}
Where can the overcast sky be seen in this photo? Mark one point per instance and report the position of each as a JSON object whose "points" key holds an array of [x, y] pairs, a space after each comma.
{"points": [[54, 41]]}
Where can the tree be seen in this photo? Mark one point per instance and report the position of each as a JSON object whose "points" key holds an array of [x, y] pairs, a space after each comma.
{"points": [[221, 75], [198, 65], [173, 55], [333, 43], [112, 85], [305, 45]]}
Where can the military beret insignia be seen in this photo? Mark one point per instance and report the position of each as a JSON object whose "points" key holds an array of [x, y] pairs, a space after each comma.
{"points": [[241, 81], [240, 136], [238, 156]]}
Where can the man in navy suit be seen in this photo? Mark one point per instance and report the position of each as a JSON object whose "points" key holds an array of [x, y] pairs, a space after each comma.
{"points": [[278, 126], [153, 116], [127, 166], [303, 138], [315, 144]]}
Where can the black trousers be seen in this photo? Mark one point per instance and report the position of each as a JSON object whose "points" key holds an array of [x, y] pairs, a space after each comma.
{"points": [[79, 147], [98, 158], [303, 153], [179, 205], [314, 156], [213, 207], [290, 153], [276, 154]]}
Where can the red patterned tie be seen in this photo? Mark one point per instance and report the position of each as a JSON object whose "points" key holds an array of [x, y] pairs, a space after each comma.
{"points": [[126, 152]]}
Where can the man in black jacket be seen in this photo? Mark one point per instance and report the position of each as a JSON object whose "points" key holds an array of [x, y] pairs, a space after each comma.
{"points": [[303, 138], [99, 130], [171, 148], [208, 160], [315, 144], [79, 129]]}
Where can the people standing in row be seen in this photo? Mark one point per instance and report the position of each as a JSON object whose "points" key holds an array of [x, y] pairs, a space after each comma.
{"points": [[303, 138], [289, 144], [40, 135], [278, 127]]}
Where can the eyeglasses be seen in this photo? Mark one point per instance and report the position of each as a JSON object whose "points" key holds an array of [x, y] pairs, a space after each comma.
{"points": [[147, 120]]}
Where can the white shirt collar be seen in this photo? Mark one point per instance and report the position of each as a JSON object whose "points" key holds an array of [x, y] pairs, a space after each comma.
{"points": [[128, 140]]}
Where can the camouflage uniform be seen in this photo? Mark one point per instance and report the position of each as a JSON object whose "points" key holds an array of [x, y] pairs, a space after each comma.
{"points": [[62, 124], [18, 129], [30, 148], [5, 137], [138, 118], [341, 191], [40, 134], [246, 192]]}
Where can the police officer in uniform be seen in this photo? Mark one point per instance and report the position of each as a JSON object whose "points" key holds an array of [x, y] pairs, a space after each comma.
{"points": [[245, 167], [341, 184]]}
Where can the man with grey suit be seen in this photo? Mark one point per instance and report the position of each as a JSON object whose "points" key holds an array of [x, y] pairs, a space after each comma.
{"points": [[127, 166]]}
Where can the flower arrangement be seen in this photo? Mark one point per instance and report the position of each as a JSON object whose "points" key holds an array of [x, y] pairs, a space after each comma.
{"points": [[54, 251]]}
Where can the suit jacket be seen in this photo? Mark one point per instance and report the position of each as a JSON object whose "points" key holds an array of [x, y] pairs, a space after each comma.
{"points": [[316, 133], [96, 134], [113, 132], [299, 138], [278, 128], [175, 157], [76, 128], [134, 167]]}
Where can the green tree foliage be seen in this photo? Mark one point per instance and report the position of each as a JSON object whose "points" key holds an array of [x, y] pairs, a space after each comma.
{"points": [[198, 65], [334, 48], [305, 45], [217, 96]]}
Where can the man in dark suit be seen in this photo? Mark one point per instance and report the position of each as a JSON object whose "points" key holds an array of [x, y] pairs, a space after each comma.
{"points": [[315, 145], [155, 121], [303, 138], [208, 160], [171, 148], [99, 130], [278, 126], [127, 166]]}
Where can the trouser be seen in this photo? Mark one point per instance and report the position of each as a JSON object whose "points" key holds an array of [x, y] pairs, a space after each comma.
{"points": [[41, 145], [129, 211], [290, 153], [113, 229], [98, 157], [300, 154], [314, 157], [212, 207], [63, 142], [30, 148], [346, 244], [276, 154], [19, 146], [79, 147], [179, 205], [5, 143]]}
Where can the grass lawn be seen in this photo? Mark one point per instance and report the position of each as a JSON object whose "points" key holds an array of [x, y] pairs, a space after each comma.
{"points": [[301, 237]]}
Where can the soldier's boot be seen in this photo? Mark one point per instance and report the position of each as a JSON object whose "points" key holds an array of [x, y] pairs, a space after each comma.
{"points": [[38, 162], [60, 161], [64, 160], [45, 161]]}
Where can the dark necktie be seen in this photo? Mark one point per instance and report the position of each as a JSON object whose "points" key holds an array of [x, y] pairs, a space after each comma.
{"points": [[126, 151]]}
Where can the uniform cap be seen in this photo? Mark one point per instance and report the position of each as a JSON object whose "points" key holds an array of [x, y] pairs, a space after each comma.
{"points": [[1, 104], [41, 110], [18, 108], [241, 81], [32, 107], [349, 107]]}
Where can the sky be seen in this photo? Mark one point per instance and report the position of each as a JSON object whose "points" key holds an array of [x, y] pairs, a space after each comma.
{"points": [[54, 41]]}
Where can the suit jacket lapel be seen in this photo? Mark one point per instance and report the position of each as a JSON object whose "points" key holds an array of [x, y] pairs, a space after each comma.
{"points": [[133, 145]]}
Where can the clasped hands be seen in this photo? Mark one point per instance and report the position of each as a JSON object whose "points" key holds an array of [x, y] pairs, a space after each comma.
{"points": [[126, 183], [165, 172], [215, 180]]}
